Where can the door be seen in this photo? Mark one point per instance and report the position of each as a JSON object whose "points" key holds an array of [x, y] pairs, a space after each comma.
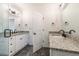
{"points": [[37, 31]]}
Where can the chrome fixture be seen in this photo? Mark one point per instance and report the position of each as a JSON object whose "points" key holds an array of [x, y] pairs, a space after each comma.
{"points": [[70, 32], [63, 33]]}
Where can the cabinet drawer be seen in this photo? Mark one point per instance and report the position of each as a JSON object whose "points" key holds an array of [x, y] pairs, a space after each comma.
{"points": [[19, 43], [11, 44], [11, 52], [12, 39], [12, 48]]}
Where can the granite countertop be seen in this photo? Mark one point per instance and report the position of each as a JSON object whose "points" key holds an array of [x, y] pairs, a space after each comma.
{"points": [[15, 34], [19, 33], [70, 43]]}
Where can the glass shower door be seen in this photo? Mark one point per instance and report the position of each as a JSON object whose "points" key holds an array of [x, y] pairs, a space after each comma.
{"points": [[4, 29]]}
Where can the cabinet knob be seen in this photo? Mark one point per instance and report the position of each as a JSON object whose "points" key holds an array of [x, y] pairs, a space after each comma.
{"points": [[18, 24], [11, 44], [11, 38], [20, 38], [25, 24], [10, 51], [53, 23], [34, 33]]}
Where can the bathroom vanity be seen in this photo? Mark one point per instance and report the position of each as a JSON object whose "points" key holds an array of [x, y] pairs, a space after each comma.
{"points": [[17, 41], [57, 41]]}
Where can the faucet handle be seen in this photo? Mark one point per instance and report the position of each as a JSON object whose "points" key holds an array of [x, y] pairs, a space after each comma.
{"points": [[70, 32], [61, 31]]}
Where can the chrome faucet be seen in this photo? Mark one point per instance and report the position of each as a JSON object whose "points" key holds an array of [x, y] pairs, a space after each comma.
{"points": [[63, 33], [70, 32]]}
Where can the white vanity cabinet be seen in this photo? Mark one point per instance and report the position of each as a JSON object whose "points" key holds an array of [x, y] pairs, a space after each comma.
{"points": [[12, 45], [21, 41], [25, 24], [18, 42], [26, 38]]}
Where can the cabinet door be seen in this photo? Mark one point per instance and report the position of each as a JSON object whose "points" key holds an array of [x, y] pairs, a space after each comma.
{"points": [[25, 26], [18, 21], [12, 45], [11, 49], [19, 42], [18, 24], [22, 39], [37, 31], [26, 38], [26, 21]]}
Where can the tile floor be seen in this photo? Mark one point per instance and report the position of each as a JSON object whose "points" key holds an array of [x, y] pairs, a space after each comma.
{"points": [[28, 51]]}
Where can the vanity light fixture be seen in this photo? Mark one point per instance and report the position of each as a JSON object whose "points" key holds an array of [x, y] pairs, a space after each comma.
{"points": [[63, 5]]}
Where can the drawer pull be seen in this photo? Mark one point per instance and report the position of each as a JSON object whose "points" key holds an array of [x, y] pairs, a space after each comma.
{"points": [[11, 44], [20, 38], [10, 51], [11, 38], [34, 33]]}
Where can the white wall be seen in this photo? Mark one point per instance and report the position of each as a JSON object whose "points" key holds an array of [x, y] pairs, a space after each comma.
{"points": [[50, 13], [71, 15]]}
